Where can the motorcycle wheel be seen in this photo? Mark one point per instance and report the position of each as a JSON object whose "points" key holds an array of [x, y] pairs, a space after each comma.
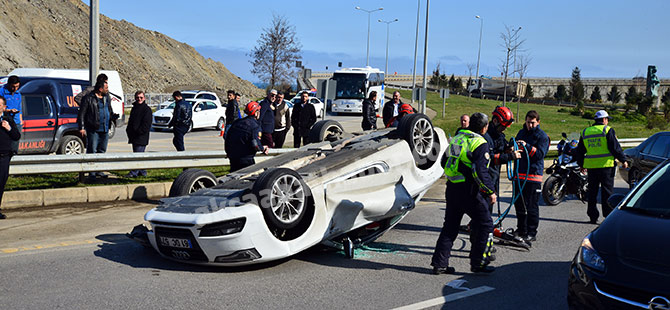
{"points": [[550, 191]]}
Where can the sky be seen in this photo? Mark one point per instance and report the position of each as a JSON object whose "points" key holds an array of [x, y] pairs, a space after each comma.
{"points": [[604, 38]]}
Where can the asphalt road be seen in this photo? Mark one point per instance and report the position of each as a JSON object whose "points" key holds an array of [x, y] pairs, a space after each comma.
{"points": [[78, 258]]}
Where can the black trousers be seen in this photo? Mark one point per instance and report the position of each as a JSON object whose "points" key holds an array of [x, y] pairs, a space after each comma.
{"points": [[278, 137], [297, 138], [240, 163], [527, 209], [178, 139], [462, 200], [4, 173], [602, 178]]}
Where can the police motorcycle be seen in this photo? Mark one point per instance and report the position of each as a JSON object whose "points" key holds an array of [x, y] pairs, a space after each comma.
{"points": [[565, 176]]}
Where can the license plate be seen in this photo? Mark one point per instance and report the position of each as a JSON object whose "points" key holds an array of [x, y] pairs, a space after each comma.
{"points": [[176, 242]]}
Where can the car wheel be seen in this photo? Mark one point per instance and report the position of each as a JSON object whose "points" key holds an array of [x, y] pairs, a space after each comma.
{"points": [[71, 144], [283, 196], [633, 178], [190, 181], [326, 130], [220, 124], [112, 130], [418, 131], [552, 193]]}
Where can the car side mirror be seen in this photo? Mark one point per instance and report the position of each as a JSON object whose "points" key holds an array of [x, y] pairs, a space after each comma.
{"points": [[614, 200], [198, 109]]}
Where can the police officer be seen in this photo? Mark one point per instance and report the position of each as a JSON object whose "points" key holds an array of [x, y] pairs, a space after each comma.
{"points": [[469, 191], [8, 134], [531, 168], [597, 149], [244, 139]]}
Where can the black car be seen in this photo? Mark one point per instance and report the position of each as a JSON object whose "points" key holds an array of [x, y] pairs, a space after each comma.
{"points": [[625, 262], [645, 157]]}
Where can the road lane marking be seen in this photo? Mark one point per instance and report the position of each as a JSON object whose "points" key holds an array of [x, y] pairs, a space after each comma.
{"points": [[446, 298], [48, 246]]}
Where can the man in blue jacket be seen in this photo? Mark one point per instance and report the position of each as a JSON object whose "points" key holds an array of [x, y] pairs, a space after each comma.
{"points": [[535, 142], [267, 119], [13, 97]]}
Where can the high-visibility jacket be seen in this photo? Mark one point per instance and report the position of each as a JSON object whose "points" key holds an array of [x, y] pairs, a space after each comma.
{"points": [[459, 152], [598, 154]]}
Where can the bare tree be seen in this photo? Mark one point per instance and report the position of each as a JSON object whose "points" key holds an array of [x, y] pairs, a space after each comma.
{"points": [[470, 67], [522, 63], [511, 45], [275, 52]]}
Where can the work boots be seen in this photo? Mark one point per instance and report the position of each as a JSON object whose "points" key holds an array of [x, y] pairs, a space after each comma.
{"points": [[2, 216]]}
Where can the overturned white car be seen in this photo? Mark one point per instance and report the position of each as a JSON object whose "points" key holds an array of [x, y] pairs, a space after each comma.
{"points": [[342, 192]]}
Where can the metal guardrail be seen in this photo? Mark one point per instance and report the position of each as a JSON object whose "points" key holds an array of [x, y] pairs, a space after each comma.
{"points": [[46, 164]]}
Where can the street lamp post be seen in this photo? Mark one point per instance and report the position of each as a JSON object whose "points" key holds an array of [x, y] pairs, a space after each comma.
{"points": [[479, 52], [425, 59], [388, 23], [416, 46], [367, 53]]}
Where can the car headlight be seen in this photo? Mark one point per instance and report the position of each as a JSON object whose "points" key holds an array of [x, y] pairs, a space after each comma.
{"points": [[590, 257], [223, 228]]}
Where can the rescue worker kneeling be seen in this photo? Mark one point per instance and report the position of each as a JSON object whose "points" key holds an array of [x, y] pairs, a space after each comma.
{"points": [[469, 191], [243, 139]]}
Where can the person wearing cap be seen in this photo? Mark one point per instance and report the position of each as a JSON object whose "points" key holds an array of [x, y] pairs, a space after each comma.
{"points": [[243, 139], [596, 151], [267, 118]]}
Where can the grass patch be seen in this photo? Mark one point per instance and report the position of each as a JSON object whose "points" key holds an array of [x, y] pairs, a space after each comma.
{"points": [[63, 180], [552, 121]]}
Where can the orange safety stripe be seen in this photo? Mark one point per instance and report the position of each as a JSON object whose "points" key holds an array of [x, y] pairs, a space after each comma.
{"points": [[496, 159], [530, 177], [532, 151]]}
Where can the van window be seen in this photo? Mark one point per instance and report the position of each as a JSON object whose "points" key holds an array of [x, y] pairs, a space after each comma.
{"points": [[36, 106]]}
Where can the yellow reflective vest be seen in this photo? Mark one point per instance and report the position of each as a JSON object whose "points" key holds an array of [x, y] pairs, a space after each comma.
{"points": [[459, 151], [595, 142]]}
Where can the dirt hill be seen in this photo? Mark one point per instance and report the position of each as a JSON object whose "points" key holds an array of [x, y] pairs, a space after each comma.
{"points": [[54, 34]]}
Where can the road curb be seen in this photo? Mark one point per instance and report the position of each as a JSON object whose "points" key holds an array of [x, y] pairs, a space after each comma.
{"points": [[61, 196]]}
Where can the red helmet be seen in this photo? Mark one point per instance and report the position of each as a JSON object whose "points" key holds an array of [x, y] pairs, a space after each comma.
{"points": [[504, 116], [406, 109], [252, 108]]}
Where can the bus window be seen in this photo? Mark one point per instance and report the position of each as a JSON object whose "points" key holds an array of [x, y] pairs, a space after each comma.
{"points": [[350, 86]]}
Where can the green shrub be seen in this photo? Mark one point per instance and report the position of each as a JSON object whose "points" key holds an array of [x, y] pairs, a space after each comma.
{"points": [[656, 121], [563, 110], [575, 112], [589, 114]]}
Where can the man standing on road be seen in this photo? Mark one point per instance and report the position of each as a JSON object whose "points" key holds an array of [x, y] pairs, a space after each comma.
{"points": [[469, 191], [465, 122], [282, 121], [232, 110], [181, 120], [138, 128], [391, 109], [531, 167], [244, 141], [94, 120], [8, 133], [369, 113], [11, 93], [304, 116], [597, 149], [267, 119]]}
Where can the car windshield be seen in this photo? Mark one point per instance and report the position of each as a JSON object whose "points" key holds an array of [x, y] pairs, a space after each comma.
{"points": [[349, 86], [187, 96], [650, 197], [171, 106]]}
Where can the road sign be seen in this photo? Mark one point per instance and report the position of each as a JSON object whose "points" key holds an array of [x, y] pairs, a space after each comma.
{"points": [[444, 93], [419, 94]]}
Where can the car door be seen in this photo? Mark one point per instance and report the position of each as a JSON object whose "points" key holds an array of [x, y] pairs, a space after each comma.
{"points": [[199, 114], [655, 153], [214, 113], [318, 106], [39, 124]]}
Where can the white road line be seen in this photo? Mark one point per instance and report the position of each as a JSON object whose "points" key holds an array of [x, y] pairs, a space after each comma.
{"points": [[446, 298]]}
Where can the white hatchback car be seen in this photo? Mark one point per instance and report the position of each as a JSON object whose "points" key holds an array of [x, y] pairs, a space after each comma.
{"points": [[318, 104], [193, 94], [206, 113]]}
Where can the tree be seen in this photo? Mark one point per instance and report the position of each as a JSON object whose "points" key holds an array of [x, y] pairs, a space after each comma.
{"points": [[561, 93], [632, 98], [452, 83], [614, 95], [511, 45], [576, 87], [595, 95], [275, 52], [529, 91], [665, 100], [436, 78]]}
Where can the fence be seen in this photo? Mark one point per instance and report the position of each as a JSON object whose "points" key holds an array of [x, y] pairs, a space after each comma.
{"points": [[152, 99]]}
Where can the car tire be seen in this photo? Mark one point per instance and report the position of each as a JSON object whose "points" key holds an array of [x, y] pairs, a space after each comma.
{"points": [[192, 180], [283, 197], [112, 130], [417, 130], [549, 191], [220, 124], [325, 130], [70, 145]]}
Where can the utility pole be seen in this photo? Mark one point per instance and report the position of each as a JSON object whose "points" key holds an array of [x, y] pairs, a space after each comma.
{"points": [[94, 41], [425, 60], [416, 47]]}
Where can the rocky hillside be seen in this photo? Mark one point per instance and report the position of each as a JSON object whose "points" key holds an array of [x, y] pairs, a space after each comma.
{"points": [[54, 34]]}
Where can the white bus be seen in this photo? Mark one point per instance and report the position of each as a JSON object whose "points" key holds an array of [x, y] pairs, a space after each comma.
{"points": [[354, 85]]}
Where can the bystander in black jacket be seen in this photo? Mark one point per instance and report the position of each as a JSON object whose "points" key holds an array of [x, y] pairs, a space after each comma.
{"points": [[88, 117], [369, 115], [6, 151], [139, 124], [181, 117], [267, 120], [232, 111], [304, 116], [388, 111]]}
